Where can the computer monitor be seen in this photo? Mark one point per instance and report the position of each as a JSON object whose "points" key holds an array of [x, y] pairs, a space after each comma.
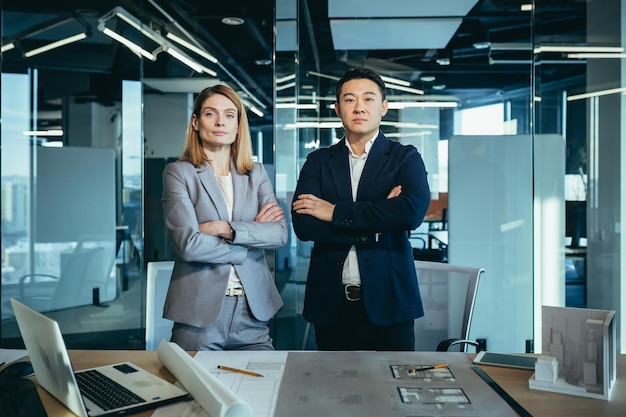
{"points": [[575, 221]]}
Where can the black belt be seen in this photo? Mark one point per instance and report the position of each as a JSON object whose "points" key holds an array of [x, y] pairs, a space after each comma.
{"points": [[352, 292]]}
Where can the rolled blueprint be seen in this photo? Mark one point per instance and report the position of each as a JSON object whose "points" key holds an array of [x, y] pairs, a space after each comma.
{"points": [[216, 399]]}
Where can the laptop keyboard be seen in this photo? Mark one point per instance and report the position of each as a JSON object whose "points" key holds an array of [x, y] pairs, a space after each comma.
{"points": [[104, 392], [19, 398]]}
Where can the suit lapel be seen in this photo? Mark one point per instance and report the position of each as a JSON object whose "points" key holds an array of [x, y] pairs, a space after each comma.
{"points": [[209, 182], [240, 191], [375, 162], [339, 168]]}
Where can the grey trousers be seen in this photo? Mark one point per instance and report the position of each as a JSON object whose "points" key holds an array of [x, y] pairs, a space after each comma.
{"points": [[235, 329]]}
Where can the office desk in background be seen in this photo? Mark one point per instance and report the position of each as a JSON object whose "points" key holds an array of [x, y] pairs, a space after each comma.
{"points": [[514, 381]]}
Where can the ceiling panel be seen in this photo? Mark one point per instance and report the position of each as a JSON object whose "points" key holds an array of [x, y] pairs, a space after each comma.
{"points": [[363, 34], [399, 8]]}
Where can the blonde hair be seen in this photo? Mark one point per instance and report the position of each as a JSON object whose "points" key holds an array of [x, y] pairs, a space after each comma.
{"points": [[240, 150]]}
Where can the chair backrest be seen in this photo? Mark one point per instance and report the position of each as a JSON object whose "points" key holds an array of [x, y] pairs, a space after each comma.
{"points": [[448, 293], [157, 327]]}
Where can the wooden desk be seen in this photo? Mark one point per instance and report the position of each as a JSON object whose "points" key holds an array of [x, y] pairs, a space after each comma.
{"points": [[514, 381]]}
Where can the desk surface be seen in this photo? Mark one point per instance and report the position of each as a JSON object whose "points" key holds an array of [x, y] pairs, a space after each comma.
{"points": [[514, 381]]}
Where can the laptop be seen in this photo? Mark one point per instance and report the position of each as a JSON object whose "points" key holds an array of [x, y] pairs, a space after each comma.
{"points": [[82, 391]]}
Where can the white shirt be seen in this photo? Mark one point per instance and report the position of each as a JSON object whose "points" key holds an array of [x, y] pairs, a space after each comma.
{"points": [[226, 185], [350, 273]]}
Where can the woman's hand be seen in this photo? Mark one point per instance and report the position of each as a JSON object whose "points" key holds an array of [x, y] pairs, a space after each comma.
{"points": [[271, 212]]}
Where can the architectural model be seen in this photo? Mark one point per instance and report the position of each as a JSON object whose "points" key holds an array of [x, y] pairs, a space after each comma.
{"points": [[578, 352]]}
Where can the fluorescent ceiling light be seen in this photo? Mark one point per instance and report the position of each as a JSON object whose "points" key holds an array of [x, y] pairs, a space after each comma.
{"points": [[314, 125], [7, 47], [408, 125], [574, 49], [597, 94], [130, 45], [185, 59], [395, 81], [137, 24], [300, 106], [52, 132], [285, 78], [56, 44], [511, 46], [255, 111], [409, 134], [403, 88], [208, 71], [319, 74], [419, 104], [285, 86], [510, 61], [192, 47], [596, 55]]}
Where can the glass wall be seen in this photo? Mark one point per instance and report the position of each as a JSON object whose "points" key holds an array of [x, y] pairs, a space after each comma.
{"points": [[71, 177], [526, 211], [88, 126]]}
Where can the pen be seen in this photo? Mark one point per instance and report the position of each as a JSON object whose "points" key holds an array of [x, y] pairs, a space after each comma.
{"points": [[239, 371], [426, 368]]}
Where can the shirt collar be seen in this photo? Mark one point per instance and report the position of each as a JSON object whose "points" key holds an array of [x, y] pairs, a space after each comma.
{"points": [[368, 145]]}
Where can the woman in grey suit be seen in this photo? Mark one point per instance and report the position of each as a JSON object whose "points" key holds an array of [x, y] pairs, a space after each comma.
{"points": [[221, 214]]}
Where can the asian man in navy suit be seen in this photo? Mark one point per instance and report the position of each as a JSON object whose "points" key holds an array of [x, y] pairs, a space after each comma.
{"points": [[357, 201]]}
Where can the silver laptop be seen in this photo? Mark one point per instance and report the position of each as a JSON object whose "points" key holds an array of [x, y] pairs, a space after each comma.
{"points": [[53, 369]]}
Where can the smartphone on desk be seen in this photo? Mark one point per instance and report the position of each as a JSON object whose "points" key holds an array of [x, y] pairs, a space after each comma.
{"points": [[508, 360]]}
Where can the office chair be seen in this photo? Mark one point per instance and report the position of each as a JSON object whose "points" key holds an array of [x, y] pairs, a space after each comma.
{"points": [[157, 327], [79, 276], [448, 293]]}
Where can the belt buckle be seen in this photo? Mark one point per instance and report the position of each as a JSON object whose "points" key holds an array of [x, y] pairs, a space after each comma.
{"points": [[347, 289], [235, 292]]}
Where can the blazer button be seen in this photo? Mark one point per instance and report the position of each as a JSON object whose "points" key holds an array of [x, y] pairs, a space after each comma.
{"points": [[346, 222]]}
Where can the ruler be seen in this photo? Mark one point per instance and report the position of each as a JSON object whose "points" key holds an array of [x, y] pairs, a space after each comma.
{"points": [[502, 393]]}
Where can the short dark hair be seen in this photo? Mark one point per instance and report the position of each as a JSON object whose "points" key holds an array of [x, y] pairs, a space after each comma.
{"points": [[360, 73]]}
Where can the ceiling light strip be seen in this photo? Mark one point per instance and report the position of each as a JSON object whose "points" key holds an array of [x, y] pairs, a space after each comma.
{"points": [[56, 44], [52, 132], [130, 45], [184, 59], [575, 49], [596, 55], [7, 47], [395, 81], [191, 47], [597, 93], [403, 88], [419, 104], [285, 78], [299, 106]]}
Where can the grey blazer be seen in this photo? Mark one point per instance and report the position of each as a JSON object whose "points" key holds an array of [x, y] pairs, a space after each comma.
{"points": [[202, 265]]}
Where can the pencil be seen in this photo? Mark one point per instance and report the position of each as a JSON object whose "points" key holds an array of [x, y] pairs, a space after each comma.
{"points": [[426, 368], [239, 371]]}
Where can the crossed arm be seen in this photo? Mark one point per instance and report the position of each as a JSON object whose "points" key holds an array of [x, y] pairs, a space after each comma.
{"points": [[322, 209], [269, 213]]}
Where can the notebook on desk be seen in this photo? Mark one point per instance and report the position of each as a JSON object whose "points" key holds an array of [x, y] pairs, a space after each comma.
{"points": [[89, 392]]}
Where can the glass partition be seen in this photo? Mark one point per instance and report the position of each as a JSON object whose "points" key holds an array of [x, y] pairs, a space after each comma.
{"points": [[71, 176]]}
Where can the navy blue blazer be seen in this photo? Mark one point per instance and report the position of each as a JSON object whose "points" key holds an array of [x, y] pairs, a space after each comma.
{"points": [[388, 279]]}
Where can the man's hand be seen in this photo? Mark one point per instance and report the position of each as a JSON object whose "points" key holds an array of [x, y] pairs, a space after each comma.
{"points": [[271, 212], [314, 206], [395, 191]]}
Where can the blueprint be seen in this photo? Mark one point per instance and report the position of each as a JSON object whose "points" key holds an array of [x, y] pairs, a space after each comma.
{"points": [[374, 384]]}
